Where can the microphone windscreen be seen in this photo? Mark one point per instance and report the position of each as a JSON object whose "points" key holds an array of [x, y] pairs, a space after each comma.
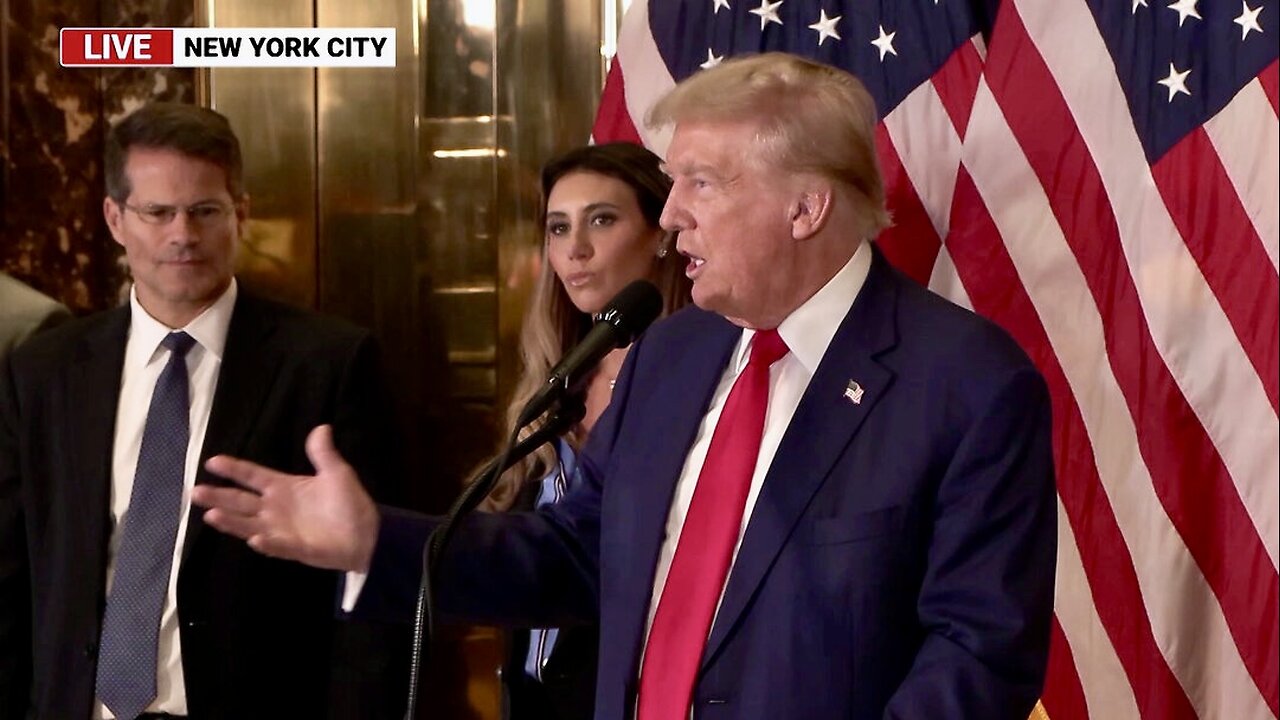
{"points": [[633, 309]]}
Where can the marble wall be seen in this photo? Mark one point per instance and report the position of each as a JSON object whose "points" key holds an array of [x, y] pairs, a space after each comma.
{"points": [[53, 123]]}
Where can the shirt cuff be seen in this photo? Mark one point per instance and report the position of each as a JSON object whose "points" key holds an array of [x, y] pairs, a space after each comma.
{"points": [[353, 584]]}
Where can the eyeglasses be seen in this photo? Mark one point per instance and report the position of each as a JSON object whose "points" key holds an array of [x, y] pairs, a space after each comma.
{"points": [[201, 213]]}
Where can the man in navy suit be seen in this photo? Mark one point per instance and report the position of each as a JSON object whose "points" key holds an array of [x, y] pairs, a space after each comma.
{"points": [[823, 493]]}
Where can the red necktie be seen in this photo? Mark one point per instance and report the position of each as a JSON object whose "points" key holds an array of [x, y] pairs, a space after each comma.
{"points": [[705, 550]]}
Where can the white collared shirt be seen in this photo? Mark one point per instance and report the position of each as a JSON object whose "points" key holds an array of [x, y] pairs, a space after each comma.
{"points": [[144, 359], [807, 331]]}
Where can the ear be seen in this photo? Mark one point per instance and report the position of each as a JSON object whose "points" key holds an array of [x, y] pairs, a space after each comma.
{"points": [[810, 210], [114, 216], [242, 210]]}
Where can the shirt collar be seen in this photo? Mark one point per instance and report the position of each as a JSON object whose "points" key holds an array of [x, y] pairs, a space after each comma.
{"points": [[208, 329], [808, 330]]}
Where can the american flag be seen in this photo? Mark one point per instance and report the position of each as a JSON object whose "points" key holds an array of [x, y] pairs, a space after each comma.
{"points": [[1102, 178]]}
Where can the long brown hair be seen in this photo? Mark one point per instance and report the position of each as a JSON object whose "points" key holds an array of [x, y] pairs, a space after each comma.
{"points": [[552, 324]]}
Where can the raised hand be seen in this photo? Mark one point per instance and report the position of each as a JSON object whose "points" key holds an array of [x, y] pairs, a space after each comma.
{"points": [[326, 520]]}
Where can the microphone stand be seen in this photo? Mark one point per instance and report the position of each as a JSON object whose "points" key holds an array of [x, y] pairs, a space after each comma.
{"points": [[569, 413]]}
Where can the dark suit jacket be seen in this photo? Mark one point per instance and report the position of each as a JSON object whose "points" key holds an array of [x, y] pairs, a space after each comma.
{"points": [[256, 633], [899, 562]]}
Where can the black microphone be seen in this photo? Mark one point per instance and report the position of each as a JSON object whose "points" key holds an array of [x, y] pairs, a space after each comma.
{"points": [[625, 317]]}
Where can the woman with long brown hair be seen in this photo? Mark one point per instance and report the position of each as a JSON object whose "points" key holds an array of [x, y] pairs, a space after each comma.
{"points": [[600, 211]]}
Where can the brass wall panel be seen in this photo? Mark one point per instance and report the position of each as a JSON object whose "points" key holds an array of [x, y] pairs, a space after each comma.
{"points": [[548, 80], [406, 200], [376, 264], [459, 225], [273, 112], [459, 165], [506, 85], [371, 265]]}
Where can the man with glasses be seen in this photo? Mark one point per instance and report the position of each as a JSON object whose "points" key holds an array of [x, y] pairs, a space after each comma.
{"points": [[115, 601]]}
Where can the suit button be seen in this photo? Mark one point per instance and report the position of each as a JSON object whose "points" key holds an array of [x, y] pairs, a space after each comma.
{"points": [[90, 649]]}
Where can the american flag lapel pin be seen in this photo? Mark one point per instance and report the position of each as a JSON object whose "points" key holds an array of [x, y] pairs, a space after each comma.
{"points": [[854, 392]]}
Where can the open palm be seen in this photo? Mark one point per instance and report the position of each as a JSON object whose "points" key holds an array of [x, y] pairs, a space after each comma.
{"points": [[326, 520]]}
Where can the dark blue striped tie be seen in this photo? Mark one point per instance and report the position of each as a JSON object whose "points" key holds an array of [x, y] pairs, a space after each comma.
{"points": [[131, 627]]}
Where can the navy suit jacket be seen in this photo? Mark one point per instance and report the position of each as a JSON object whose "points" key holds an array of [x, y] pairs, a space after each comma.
{"points": [[899, 561]]}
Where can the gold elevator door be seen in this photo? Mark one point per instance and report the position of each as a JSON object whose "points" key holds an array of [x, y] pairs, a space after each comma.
{"points": [[405, 200]]}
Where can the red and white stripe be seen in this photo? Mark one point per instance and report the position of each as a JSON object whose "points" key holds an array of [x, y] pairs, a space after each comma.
{"points": [[1147, 297]]}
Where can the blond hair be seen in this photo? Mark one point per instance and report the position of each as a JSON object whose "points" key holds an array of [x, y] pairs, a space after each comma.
{"points": [[810, 117], [553, 325]]}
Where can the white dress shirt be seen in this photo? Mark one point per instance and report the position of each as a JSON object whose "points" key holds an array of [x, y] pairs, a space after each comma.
{"points": [[807, 332], [144, 359]]}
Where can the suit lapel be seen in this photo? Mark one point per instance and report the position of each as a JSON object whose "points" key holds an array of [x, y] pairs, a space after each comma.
{"points": [[824, 424], [250, 363], [93, 393], [659, 455]]}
